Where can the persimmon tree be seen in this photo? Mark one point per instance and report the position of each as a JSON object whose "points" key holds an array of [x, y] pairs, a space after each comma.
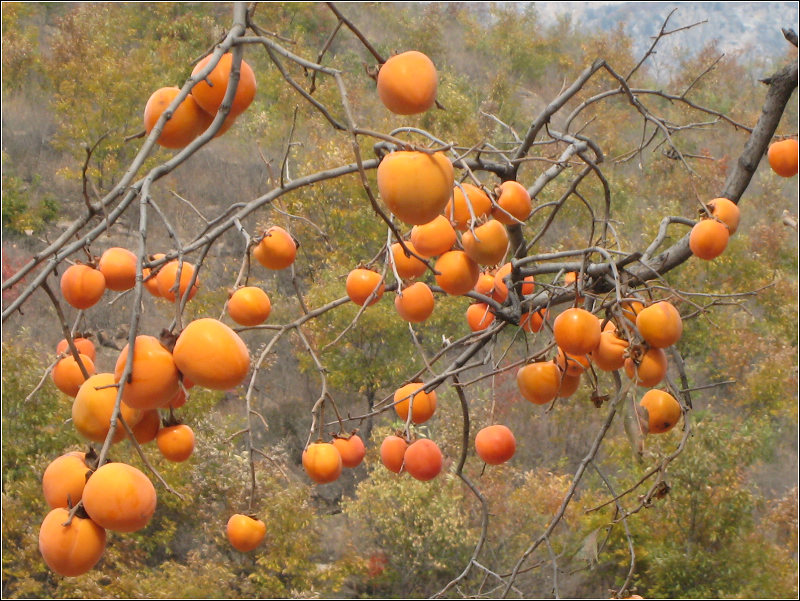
{"points": [[578, 277]]}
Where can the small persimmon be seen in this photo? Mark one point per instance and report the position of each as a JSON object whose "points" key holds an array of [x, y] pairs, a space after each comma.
{"points": [[434, 238], [351, 449], [415, 303], [67, 374], [662, 409], [495, 444], [147, 428], [424, 403], [210, 92], [176, 443], [84, 346], [513, 203], [393, 450], [64, 479], [119, 497], [415, 185], [408, 266], [502, 278], [650, 368], [423, 459], [82, 286], [70, 550], [708, 239], [153, 380], [93, 407], [118, 266], [488, 244], [362, 284], [533, 321], [211, 354], [539, 382], [407, 83], [322, 462], [168, 276], [458, 273], [249, 306], [577, 331], [782, 157], [660, 324], [459, 212], [185, 124], [726, 211], [479, 317], [277, 249], [245, 533], [610, 353]]}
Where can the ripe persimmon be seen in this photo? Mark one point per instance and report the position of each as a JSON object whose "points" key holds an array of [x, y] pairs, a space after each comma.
{"points": [[569, 384], [64, 479], [362, 283], [249, 306], [415, 304], [407, 83], [610, 353], [185, 124], [662, 409], [479, 317], [351, 449], [209, 97], [70, 550], [408, 267], [423, 459], [82, 286], [782, 157], [514, 203], [119, 497], [211, 354], [708, 239], [415, 185], [277, 249], [726, 211], [118, 266], [93, 406], [502, 276], [424, 403], [651, 367], [495, 444], [154, 376], [322, 462], [458, 211], [533, 321], [393, 450], [67, 374], [147, 428], [244, 532], [84, 346], [539, 382], [660, 324], [457, 272], [488, 244], [167, 277], [434, 238], [485, 284], [176, 443], [577, 331], [572, 365]]}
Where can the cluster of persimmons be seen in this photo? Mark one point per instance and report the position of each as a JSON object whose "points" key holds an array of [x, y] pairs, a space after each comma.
{"points": [[460, 225]]}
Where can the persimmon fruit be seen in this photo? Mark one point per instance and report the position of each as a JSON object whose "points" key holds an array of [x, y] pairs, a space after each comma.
{"points": [[185, 124], [488, 244], [211, 354], [708, 239], [457, 272], [84, 346], [176, 443], [651, 368], [93, 407], [154, 376], [408, 266], [351, 449], [63, 480], [660, 324], [82, 286], [67, 374], [119, 497], [539, 382], [168, 276], [495, 444], [577, 331], [249, 306], [513, 203], [209, 97], [70, 550], [782, 157], [407, 83], [458, 211], [726, 211], [118, 266], [479, 317], [423, 460], [434, 238], [245, 533], [362, 283], [277, 249], [424, 403], [393, 450], [322, 462], [662, 409], [416, 302], [415, 185]]}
